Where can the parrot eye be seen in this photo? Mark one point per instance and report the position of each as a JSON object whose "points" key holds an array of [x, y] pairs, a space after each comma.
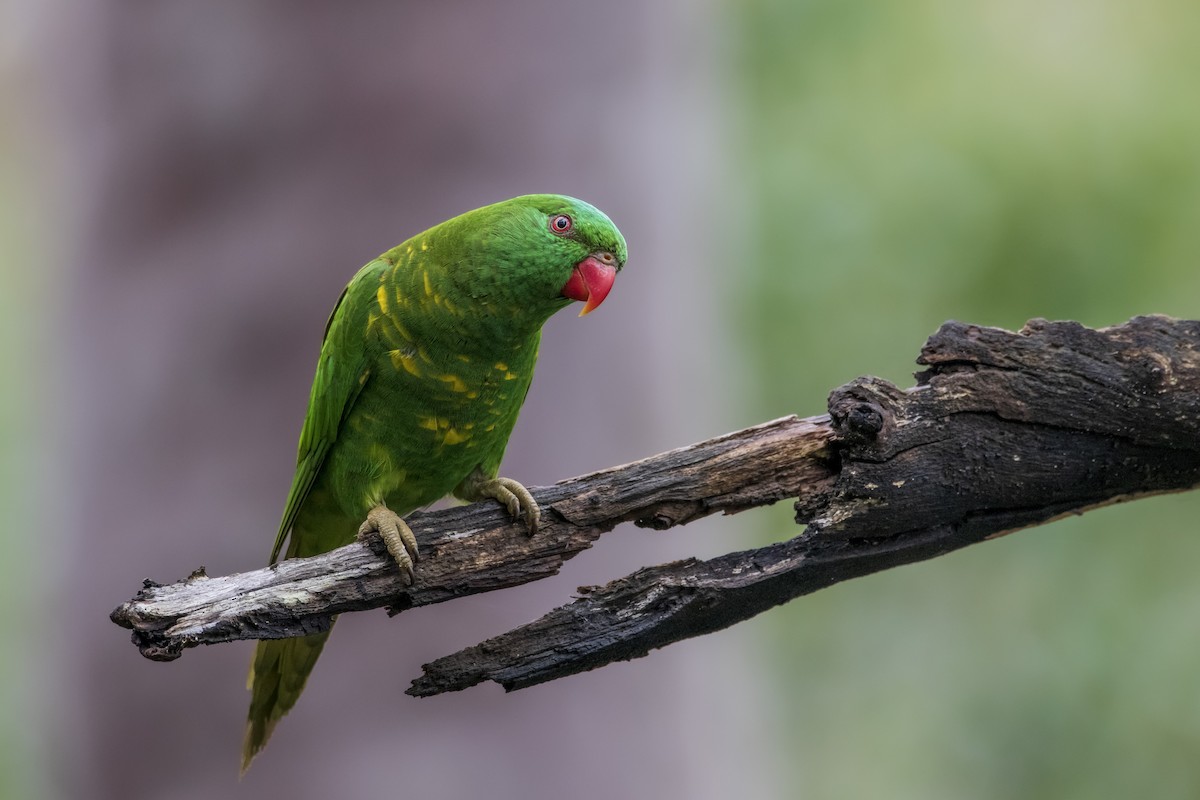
{"points": [[561, 224]]}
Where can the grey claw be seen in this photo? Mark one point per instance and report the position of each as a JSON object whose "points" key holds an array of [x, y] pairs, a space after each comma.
{"points": [[395, 533]]}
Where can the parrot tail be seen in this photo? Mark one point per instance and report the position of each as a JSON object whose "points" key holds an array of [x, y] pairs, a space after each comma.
{"points": [[277, 676]]}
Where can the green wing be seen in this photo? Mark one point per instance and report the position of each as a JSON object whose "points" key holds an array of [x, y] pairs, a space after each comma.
{"points": [[342, 371]]}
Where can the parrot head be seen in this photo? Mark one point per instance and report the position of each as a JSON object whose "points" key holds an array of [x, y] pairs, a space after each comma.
{"points": [[581, 229], [540, 253]]}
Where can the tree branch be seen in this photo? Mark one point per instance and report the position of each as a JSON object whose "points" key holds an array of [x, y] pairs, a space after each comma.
{"points": [[1003, 431], [478, 548]]}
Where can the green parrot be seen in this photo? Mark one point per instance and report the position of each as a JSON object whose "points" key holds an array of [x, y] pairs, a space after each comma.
{"points": [[427, 358]]}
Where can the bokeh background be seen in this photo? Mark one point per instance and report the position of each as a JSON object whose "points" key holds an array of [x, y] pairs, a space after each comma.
{"points": [[808, 190]]}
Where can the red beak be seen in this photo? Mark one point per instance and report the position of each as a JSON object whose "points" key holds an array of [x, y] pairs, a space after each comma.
{"points": [[591, 281]]}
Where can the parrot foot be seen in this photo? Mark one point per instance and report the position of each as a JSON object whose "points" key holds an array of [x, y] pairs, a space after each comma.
{"points": [[516, 498], [396, 534]]}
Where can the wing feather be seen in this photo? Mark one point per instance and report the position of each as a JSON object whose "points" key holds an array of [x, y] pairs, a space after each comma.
{"points": [[342, 371]]}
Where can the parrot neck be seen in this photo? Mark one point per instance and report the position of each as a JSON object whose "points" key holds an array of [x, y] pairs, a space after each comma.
{"points": [[441, 316]]}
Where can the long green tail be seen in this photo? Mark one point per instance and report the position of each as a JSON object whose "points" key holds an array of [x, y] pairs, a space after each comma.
{"points": [[277, 676], [281, 666]]}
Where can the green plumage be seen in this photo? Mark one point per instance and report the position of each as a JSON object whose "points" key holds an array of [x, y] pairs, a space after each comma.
{"points": [[426, 361]]}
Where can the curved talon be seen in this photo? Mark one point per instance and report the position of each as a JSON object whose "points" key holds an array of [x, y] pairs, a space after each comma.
{"points": [[396, 534], [516, 498]]}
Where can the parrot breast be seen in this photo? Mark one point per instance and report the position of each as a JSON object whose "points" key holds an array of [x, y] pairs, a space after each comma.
{"points": [[428, 415]]}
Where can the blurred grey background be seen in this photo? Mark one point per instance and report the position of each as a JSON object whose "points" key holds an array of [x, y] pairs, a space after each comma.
{"points": [[808, 189]]}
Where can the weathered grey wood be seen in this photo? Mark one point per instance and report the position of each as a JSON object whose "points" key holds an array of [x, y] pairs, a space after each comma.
{"points": [[477, 548], [1003, 431]]}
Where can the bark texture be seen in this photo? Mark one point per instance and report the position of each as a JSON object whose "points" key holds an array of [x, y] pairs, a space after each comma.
{"points": [[1002, 431]]}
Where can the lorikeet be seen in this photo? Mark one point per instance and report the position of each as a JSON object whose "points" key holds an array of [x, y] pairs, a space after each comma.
{"points": [[426, 361]]}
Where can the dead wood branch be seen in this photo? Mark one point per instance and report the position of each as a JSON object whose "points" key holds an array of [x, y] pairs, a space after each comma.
{"points": [[1003, 431]]}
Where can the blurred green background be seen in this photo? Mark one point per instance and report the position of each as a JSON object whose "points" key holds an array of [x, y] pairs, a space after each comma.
{"points": [[992, 162], [26, 440], [892, 165]]}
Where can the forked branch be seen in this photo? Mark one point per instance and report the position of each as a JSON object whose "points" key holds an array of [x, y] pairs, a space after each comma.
{"points": [[1002, 431]]}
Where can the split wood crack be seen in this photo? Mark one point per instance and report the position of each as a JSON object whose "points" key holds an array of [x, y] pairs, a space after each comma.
{"points": [[1002, 431]]}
